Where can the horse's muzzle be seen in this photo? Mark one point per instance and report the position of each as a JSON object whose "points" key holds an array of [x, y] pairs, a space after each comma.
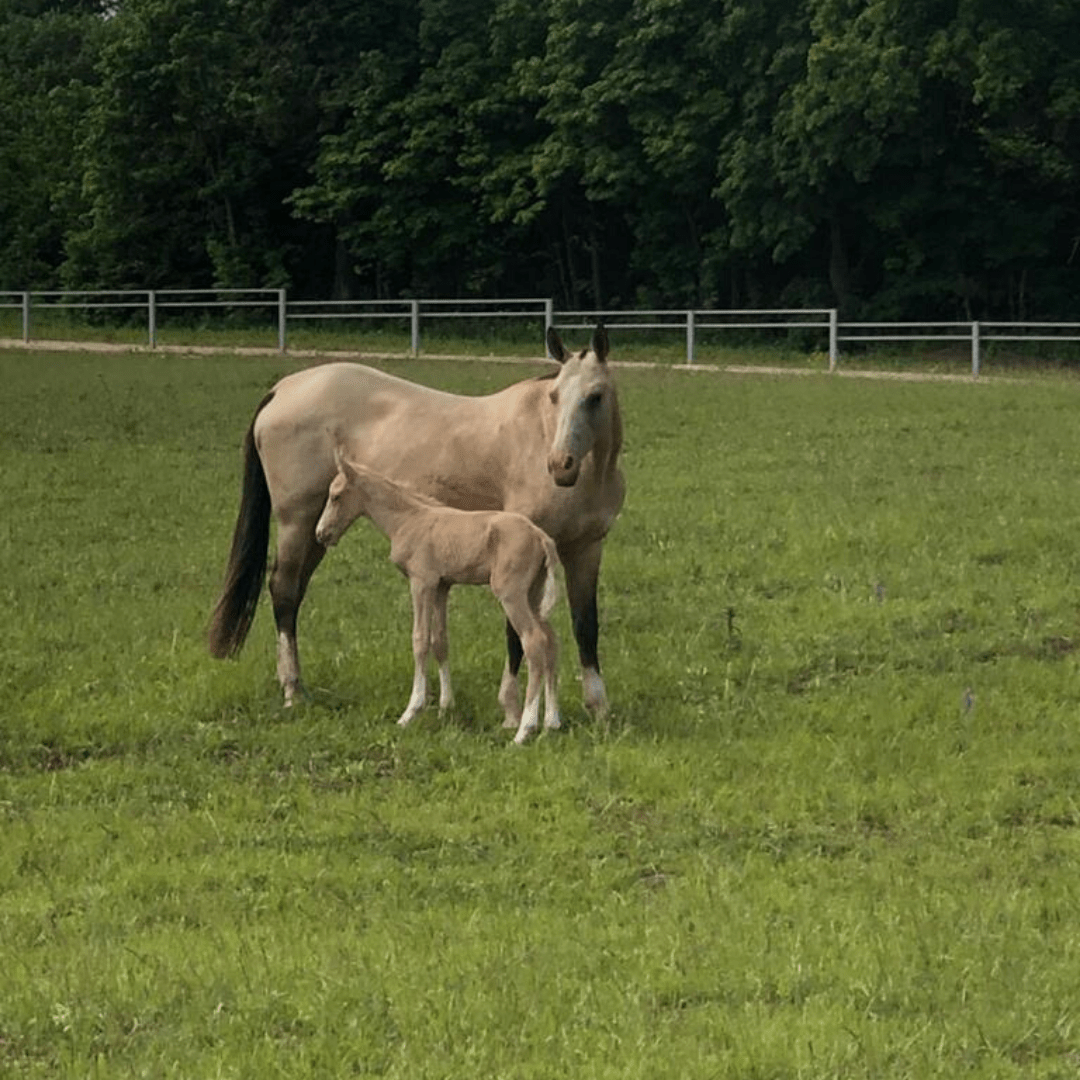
{"points": [[564, 472]]}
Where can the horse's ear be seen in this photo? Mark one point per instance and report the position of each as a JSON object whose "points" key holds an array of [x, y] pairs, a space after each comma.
{"points": [[600, 342], [555, 346]]}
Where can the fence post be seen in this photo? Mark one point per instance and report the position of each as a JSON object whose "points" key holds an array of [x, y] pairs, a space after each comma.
{"points": [[549, 319], [690, 349], [975, 350], [151, 317], [282, 308], [414, 325], [834, 338], [26, 318]]}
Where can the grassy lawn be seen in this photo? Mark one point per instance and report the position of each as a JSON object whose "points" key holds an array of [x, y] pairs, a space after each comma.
{"points": [[830, 829]]}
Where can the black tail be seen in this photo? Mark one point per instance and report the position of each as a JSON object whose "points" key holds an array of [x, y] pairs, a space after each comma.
{"points": [[246, 570]]}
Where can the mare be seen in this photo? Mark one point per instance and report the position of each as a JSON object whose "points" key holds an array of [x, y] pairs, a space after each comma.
{"points": [[546, 447], [438, 546]]}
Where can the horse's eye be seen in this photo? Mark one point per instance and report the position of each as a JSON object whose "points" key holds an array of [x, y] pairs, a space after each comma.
{"points": [[593, 400], [554, 396]]}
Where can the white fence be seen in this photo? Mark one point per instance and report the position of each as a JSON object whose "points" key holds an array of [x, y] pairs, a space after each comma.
{"points": [[689, 324]]}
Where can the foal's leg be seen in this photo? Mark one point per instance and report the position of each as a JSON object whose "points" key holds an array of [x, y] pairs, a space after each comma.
{"points": [[440, 646], [533, 642], [423, 598], [582, 567], [298, 553], [551, 676], [509, 691]]}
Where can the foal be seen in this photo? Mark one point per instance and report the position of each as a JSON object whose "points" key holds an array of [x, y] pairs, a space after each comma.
{"points": [[437, 546]]}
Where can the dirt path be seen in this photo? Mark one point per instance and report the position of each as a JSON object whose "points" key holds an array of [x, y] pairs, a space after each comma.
{"points": [[329, 355]]}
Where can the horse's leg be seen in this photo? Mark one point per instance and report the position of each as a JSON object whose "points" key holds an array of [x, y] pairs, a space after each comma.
{"points": [[298, 553], [440, 646], [509, 691], [582, 567], [423, 601]]}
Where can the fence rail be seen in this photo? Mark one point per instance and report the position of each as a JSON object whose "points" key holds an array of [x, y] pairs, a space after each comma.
{"points": [[690, 323]]}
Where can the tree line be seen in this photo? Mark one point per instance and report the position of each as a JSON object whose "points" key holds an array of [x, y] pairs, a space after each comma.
{"points": [[893, 158]]}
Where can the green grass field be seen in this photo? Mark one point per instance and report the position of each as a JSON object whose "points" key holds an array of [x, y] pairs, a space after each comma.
{"points": [[830, 829]]}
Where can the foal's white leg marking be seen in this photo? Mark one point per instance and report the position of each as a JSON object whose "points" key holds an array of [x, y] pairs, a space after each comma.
{"points": [[421, 641], [510, 698], [535, 646], [419, 694], [551, 679], [592, 686], [530, 719], [552, 720], [446, 691]]}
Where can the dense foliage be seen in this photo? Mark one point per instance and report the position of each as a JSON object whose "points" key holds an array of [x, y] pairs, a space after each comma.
{"points": [[890, 157]]}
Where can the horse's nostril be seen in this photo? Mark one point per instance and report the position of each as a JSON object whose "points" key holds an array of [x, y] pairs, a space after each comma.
{"points": [[568, 463]]}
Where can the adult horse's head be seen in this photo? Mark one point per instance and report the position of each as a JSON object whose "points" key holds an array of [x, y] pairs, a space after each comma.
{"points": [[585, 407]]}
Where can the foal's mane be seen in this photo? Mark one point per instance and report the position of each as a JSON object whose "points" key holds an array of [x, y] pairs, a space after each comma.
{"points": [[406, 491]]}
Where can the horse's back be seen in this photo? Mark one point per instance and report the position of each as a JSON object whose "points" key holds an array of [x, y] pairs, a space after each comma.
{"points": [[449, 446], [341, 392]]}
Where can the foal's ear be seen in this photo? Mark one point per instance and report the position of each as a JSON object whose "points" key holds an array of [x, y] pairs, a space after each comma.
{"points": [[600, 343], [555, 346], [341, 461]]}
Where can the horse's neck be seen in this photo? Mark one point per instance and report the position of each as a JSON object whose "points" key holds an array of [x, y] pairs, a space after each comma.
{"points": [[607, 445], [610, 444]]}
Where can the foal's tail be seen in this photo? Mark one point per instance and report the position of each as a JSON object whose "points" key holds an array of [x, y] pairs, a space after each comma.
{"points": [[247, 559], [551, 584]]}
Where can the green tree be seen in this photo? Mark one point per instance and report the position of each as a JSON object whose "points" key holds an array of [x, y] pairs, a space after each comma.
{"points": [[417, 176], [47, 58], [194, 139]]}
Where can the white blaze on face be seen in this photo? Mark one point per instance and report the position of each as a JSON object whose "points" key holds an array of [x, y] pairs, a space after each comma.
{"points": [[579, 399]]}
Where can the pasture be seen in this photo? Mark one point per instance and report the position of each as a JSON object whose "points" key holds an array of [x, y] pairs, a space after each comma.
{"points": [[829, 829]]}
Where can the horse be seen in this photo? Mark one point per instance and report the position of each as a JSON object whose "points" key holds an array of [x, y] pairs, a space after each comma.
{"points": [[546, 447], [437, 546]]}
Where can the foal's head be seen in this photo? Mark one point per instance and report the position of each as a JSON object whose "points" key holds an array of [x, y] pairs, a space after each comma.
{"points": [[344, 503], [585, 406]]}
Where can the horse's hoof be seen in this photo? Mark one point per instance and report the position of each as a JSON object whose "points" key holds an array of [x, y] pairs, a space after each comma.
{"points": [[595, 695]]}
